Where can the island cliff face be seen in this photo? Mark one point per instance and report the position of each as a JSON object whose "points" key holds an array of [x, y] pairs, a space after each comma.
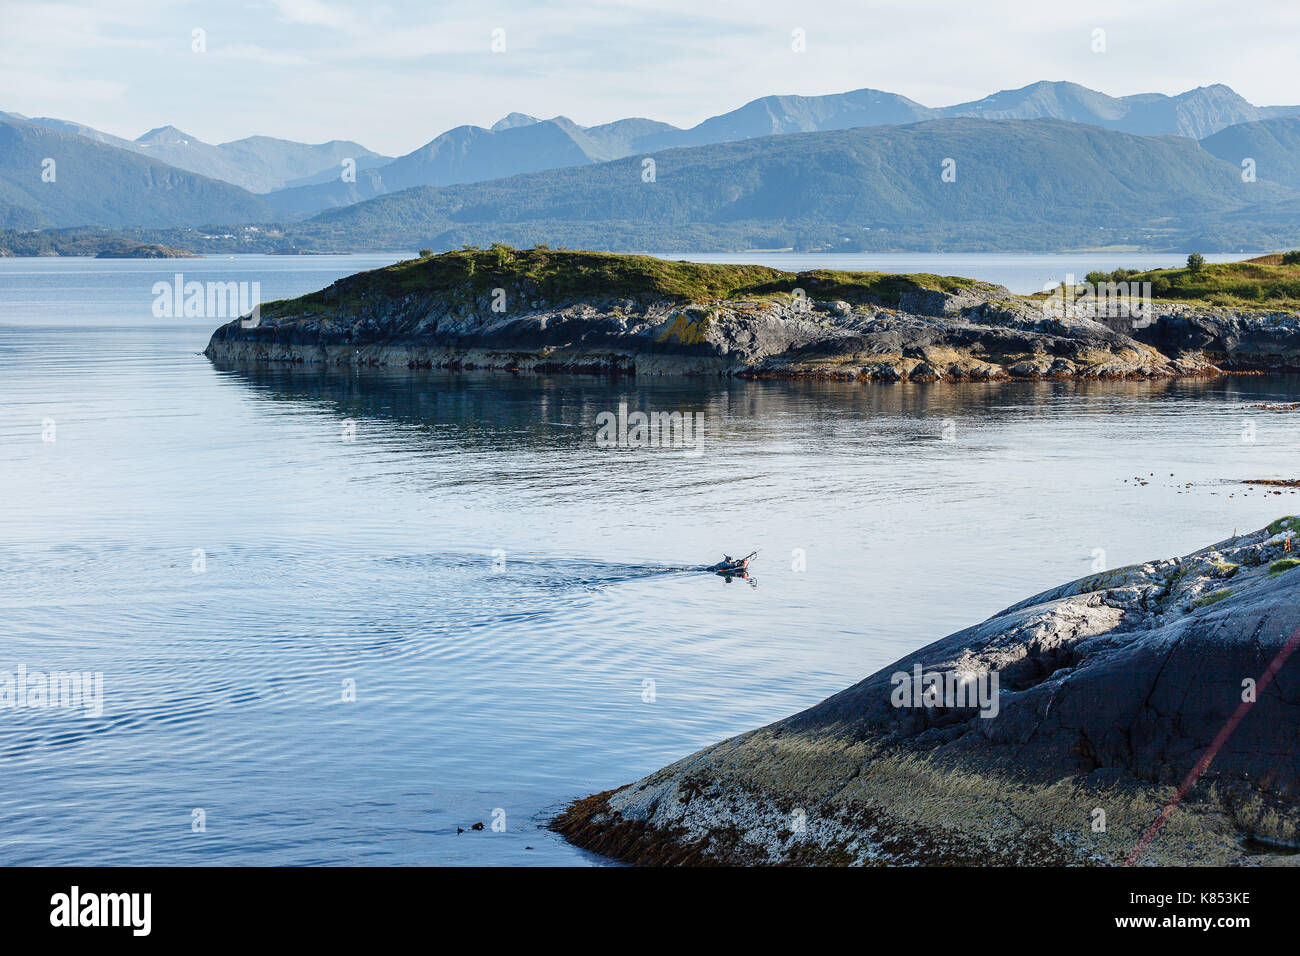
{"points": [[549, 311], [1089, 707]]}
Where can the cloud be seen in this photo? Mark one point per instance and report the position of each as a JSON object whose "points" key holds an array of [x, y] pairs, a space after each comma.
{"points": [[394, 74], [51, 86], [315, 13], [259, 54]]}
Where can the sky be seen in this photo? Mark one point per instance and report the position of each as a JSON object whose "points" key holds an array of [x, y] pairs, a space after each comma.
{"points": [[392, 75]]}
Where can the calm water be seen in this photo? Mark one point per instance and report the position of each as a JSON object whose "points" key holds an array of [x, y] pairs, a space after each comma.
{"points": [[499, 590]]}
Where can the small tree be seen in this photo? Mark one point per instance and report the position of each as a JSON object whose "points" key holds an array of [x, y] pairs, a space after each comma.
{"points": [[425, 253], [1291, 258], [1195, 262]]}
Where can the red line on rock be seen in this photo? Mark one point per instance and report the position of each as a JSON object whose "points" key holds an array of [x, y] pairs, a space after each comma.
{"points": [[1213, 750]]}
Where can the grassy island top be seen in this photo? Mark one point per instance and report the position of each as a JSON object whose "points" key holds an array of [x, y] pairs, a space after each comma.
{"points": [[1267, 281], [562, 275]]}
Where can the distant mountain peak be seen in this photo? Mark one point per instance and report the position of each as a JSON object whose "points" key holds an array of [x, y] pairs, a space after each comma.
{"points": [[513, 120], [1193, 113], [168, 135], [566, 124]]}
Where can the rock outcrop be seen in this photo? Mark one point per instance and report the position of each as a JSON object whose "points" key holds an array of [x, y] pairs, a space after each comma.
{"points": [[1085, 709], [524, 312]]}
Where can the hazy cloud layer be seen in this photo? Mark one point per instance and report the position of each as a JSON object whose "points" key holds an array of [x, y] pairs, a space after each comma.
{"points": [[393, 75]]}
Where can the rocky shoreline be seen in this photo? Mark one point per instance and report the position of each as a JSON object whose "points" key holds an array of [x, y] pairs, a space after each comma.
{"points": [[1107, 693], [516, 313]]}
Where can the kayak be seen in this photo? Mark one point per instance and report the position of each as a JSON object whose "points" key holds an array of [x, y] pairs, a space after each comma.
{"points": [[730, 565]]}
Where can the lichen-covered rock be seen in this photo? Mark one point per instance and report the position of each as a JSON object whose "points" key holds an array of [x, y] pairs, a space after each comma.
{"points": [[1102, 695]]}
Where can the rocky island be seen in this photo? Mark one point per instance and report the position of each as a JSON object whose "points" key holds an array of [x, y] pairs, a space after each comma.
{"points": [[144, 250], [88, 241], [545, 310], [1147, 714]]}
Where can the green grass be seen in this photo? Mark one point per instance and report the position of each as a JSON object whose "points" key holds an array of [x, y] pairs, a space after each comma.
{"points": [[1264, 282], [563, 275], [875, 287], [1213, 597], [1284, 524], [1286, 564]]}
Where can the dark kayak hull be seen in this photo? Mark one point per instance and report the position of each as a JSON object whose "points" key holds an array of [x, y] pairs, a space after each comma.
{"points": [[735, 567], [730, 565]]}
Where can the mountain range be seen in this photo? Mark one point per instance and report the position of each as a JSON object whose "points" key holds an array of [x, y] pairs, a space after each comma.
{"points": [[523, 144], [1273, 145], [53, 178], [1022, 182], [168, 178], [256, 163], [466, 154]]}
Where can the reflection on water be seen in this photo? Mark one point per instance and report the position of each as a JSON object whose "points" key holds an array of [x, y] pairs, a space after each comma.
{"points": [[486, 406], [345, 612]]}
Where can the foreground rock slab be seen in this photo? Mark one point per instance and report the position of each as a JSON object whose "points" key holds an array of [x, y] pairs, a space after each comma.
{"points": [[1053, 733]]}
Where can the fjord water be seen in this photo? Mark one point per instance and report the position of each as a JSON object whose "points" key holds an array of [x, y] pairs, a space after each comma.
{"points": [[512, 604]]}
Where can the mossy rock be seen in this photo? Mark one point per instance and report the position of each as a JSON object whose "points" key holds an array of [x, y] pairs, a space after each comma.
{"points": [[1286, 564]]}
